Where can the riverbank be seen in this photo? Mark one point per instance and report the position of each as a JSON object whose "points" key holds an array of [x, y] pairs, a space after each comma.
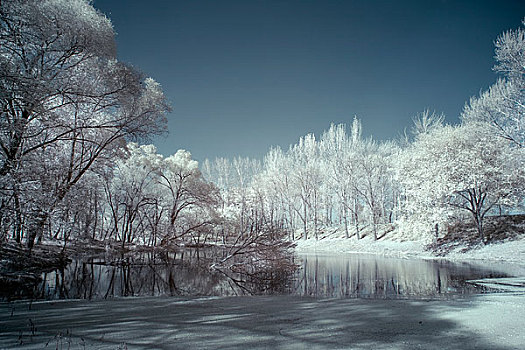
{"points": [[504, 235], [511, 251], [277, 322]]}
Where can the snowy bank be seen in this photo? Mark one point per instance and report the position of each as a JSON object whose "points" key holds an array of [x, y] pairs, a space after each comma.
{"points": [[506, 251], [365, 245]]}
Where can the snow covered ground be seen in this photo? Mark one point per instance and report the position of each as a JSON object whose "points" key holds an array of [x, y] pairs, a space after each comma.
{"points": [[280, 322], [510, 251], [365, 245]]}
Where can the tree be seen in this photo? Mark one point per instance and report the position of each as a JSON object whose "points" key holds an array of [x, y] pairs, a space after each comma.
{"points": [[502, 107], [426, 121], [306, 181], [131, 191], [277, 177], [159, 198], [376, 186], [462, 167], [343, 173], [190, 200], [67, 105]]}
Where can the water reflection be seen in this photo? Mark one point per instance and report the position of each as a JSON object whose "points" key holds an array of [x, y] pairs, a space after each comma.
{"points": [[188, 272], [185, 272], [366, 276]]}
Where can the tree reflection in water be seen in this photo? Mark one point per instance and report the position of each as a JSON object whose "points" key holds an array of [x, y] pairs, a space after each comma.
{"points": [[183, 272], [190, 272], [365, 276]]}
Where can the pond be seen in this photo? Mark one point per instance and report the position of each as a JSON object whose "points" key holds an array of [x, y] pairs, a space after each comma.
{"points": [[187, 272]]}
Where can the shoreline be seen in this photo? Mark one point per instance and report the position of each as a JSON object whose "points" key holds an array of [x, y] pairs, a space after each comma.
{"points": [[512, 252]]}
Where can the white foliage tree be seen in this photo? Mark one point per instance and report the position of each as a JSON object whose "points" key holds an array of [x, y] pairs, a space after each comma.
{"points": [[133, 193], [458, 168], [189, 198], [306, 181], [502, 106], [65, 101], [161, 198]]}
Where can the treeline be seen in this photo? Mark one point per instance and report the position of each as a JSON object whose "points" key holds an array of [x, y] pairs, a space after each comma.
{"points": [[434, 176], [71, 166], [342, 182], [340, 179]]}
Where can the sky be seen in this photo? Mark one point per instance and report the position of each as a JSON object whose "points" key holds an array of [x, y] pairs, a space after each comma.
{"points": [[243, 76]]}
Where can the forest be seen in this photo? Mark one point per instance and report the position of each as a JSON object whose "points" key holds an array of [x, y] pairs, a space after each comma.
{"points": [[76, 166]]}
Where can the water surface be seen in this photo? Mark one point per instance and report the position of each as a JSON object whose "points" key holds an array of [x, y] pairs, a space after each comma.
{"points": [[372, 276], [188, 273]]}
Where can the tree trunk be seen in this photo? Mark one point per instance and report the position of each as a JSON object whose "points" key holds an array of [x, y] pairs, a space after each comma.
{"points": [[17, 229], [304, 223], [479, 226], [346, 224], [36, 228], [356, 220]]}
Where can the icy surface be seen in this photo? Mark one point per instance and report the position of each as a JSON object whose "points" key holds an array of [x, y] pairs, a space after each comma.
{"points": [[484, 322]]}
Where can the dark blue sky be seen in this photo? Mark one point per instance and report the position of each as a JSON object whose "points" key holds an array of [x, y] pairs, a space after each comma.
{"points": [[245, 75]]}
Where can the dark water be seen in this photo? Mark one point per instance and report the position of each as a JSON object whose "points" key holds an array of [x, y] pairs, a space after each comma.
{"points": [[188, 272], [185, 272]]}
